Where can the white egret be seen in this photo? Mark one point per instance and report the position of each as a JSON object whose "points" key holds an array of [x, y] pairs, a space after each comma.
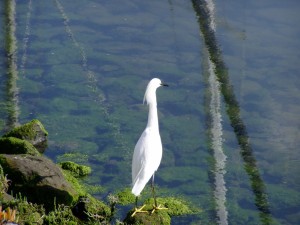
{"points": [[148, 150]]}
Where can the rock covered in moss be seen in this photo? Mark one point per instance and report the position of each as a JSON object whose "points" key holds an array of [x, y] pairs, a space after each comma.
{"points": [[175, 207], [89, 208], [39, 179], [160, 217], [33, 132], [125, 197], [12, 145], [76, 169]]}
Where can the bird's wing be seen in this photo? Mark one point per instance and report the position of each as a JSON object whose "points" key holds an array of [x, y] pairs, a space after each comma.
{"points": [[139, 155], [146, 158]]}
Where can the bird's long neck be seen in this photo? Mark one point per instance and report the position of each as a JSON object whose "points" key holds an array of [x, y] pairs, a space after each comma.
{"points": [[152, 116]]}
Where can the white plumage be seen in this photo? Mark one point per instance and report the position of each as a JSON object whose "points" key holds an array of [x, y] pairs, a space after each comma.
{"points": [[148, 150]]}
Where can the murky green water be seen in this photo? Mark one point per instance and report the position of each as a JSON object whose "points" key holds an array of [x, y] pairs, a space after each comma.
{"points": [[83, 67]]}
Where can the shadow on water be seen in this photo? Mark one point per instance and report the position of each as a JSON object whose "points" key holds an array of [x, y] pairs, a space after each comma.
{"points": [[233, 111], [11, 64]]}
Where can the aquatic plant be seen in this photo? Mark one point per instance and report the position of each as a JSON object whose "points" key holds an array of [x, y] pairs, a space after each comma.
{"points": [[76, 169]]}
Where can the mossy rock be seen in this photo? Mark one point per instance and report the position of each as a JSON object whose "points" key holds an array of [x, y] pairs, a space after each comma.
{"points": [[160, 217], [12, 145], [74, 182], [175, 207], [39, 179], [125, 197], [90, 209], [76, 169], [33, 132]]}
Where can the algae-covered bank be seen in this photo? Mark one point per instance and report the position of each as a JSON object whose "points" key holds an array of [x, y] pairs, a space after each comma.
{"points": [[35, 190]]}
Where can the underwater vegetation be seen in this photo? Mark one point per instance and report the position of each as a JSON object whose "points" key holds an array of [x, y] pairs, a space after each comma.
{"points": [[83, 66], [46, 194]]}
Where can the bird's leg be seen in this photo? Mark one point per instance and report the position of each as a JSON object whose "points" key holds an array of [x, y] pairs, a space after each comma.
{"points": [[155, 206], [136, 209]]}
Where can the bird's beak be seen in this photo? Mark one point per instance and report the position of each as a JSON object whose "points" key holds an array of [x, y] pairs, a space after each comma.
{"points": [[166, 85]]}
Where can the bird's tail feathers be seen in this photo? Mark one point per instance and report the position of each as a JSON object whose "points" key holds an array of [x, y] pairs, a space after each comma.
{"points": [[138, 186]]}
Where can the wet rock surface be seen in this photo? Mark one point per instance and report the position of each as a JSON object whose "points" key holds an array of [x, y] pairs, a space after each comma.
{"points": [[38, 178]]}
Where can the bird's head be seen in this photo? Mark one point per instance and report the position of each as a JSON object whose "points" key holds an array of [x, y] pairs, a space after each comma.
{"points": [[150, 95]]}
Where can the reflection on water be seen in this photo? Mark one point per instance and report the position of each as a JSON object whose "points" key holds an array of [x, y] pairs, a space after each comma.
{"points": [[83, 70], [215, 128], [11, 64], [233, 111]]}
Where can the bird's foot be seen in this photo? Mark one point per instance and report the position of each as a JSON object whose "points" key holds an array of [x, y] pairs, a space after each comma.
{"points": [[159, 207], [140, 210]]}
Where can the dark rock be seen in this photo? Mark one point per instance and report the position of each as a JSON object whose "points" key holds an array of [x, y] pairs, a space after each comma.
{"points": [[12, 145], [33, 132], [39, 179]]}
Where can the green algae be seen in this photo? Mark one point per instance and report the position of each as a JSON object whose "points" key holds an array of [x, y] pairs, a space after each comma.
{"points": [[27, 131], [93, 189], [76, 169], [161, 217], [74, 157], [176, 206], [75, 184], [96, 210], [125, 197]]}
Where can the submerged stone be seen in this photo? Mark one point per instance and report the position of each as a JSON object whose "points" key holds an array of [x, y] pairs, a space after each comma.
{"points": [[39, 179], [33, 132], [12, 145]]}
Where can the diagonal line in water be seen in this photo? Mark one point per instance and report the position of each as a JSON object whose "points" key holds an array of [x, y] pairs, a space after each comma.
{"points": [[233, 111], [215, 128], [26, 38], [98, 95]]}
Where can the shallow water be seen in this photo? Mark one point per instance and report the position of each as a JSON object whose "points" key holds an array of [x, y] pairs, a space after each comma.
{"points": [[83, 68]]}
